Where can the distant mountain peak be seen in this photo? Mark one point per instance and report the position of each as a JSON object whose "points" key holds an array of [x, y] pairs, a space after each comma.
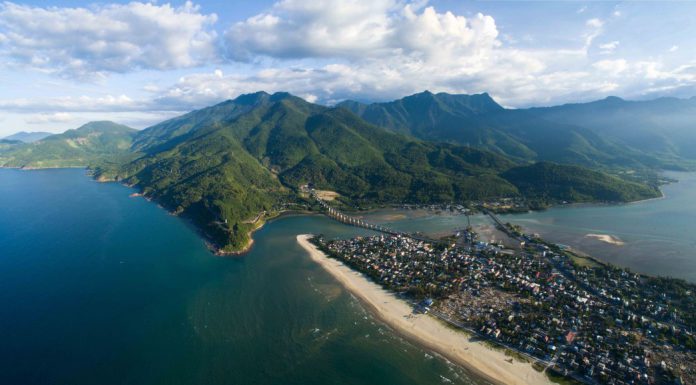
{"points": [[613, 99], [102, 125], [280, 96], [27, 137], [251, 99]]}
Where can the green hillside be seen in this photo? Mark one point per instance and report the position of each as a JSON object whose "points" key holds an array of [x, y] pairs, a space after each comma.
{"points": [[478, 121], [81, 147], [229, 166], [548, 181], [224, 166], [663, 128]]}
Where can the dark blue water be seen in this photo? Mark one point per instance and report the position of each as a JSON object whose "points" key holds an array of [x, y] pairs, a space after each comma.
{"points": [[100, 288]]}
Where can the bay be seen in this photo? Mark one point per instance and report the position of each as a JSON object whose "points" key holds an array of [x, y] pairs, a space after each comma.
{"points": [[100, 288]]}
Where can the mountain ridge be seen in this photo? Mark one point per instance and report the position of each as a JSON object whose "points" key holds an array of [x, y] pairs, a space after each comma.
{"points": [[27, 137], [80, 147], [230, 166], [224, 164], [519, 133]]}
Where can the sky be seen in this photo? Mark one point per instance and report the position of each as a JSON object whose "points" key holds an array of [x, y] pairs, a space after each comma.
{"points": [[64, 63]]}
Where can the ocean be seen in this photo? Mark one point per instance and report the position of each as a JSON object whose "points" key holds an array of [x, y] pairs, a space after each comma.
{"points": [[97, 287]]}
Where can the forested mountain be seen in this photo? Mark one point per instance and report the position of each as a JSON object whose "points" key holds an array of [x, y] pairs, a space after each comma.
{"points": [[665, 127], [90, 143], [478, 121], [224, 165], [28, 137]]}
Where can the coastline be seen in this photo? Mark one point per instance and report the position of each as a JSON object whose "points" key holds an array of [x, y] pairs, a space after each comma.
{"points": [[426, 331]]}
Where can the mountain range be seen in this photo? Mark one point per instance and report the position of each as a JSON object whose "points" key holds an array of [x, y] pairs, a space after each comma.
{"points": [[228, 166], [93, 142], [664, 128], [604, 134], [27, 137]]}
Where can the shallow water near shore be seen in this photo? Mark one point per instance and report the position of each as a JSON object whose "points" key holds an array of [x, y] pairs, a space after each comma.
{"points": [[656, 236], [97, 287]]}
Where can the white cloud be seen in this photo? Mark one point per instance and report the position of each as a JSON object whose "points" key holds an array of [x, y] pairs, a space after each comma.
{"points": [[355, 30], [594, 23], [608, 48], [613, 67], [386, 50], [88, 42], [107, 103], [674, 48], [58, 117], [327, 51]]}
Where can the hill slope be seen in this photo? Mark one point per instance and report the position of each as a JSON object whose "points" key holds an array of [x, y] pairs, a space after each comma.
{"points": [[478, 121], [574, 184], [665, 127], [28, 137], [81, 147], [224, 166]]}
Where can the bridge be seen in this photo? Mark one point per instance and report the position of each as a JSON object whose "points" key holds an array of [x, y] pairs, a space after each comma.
{"points": [[357, 222], [500, 224]]}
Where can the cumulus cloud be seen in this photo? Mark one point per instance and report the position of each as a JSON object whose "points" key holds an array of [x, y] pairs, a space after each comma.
{"points": [[107, 103], [611, 66], [324, 51], [608, 48], [58, 117], [359, 30], [333, 50], [368, 50], [82, 42]]}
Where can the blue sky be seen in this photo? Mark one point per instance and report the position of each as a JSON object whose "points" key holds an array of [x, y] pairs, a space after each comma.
{"points": [[68, 62]]}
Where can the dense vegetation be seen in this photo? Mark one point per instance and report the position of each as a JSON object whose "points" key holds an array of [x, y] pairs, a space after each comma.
{"points": [[88, 144], [229, 166], [224, 165], [575, 184], [477, 120], [663, 128]]}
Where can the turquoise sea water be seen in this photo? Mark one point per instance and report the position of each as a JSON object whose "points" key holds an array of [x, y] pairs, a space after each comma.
{"points": [[100, 288]]}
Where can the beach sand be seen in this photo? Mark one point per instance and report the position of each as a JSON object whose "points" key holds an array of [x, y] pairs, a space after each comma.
{"points": [[610, 239], [427, 331]]}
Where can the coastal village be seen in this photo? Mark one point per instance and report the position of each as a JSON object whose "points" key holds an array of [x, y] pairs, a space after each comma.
{"points": [[589, 323]]}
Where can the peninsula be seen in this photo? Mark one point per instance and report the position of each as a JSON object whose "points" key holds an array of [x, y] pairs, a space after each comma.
{"points": [[427, 331], [592, 323]]}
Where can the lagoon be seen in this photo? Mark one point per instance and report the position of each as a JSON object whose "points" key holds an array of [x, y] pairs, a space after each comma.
{"points": [[656, 237]]}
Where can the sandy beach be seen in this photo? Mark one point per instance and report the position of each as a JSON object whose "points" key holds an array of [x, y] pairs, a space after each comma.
{"points": [[427, 331], [610, 239]]}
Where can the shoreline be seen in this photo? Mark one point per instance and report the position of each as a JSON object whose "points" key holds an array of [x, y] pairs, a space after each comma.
{"points": [[217, 251], [426, 331]]}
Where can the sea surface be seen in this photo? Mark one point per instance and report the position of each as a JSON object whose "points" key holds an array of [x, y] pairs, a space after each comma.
{"points": [[100, 288]]}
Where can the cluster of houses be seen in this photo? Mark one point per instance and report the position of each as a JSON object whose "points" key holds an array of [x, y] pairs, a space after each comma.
{"points": [[597, 325]]}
